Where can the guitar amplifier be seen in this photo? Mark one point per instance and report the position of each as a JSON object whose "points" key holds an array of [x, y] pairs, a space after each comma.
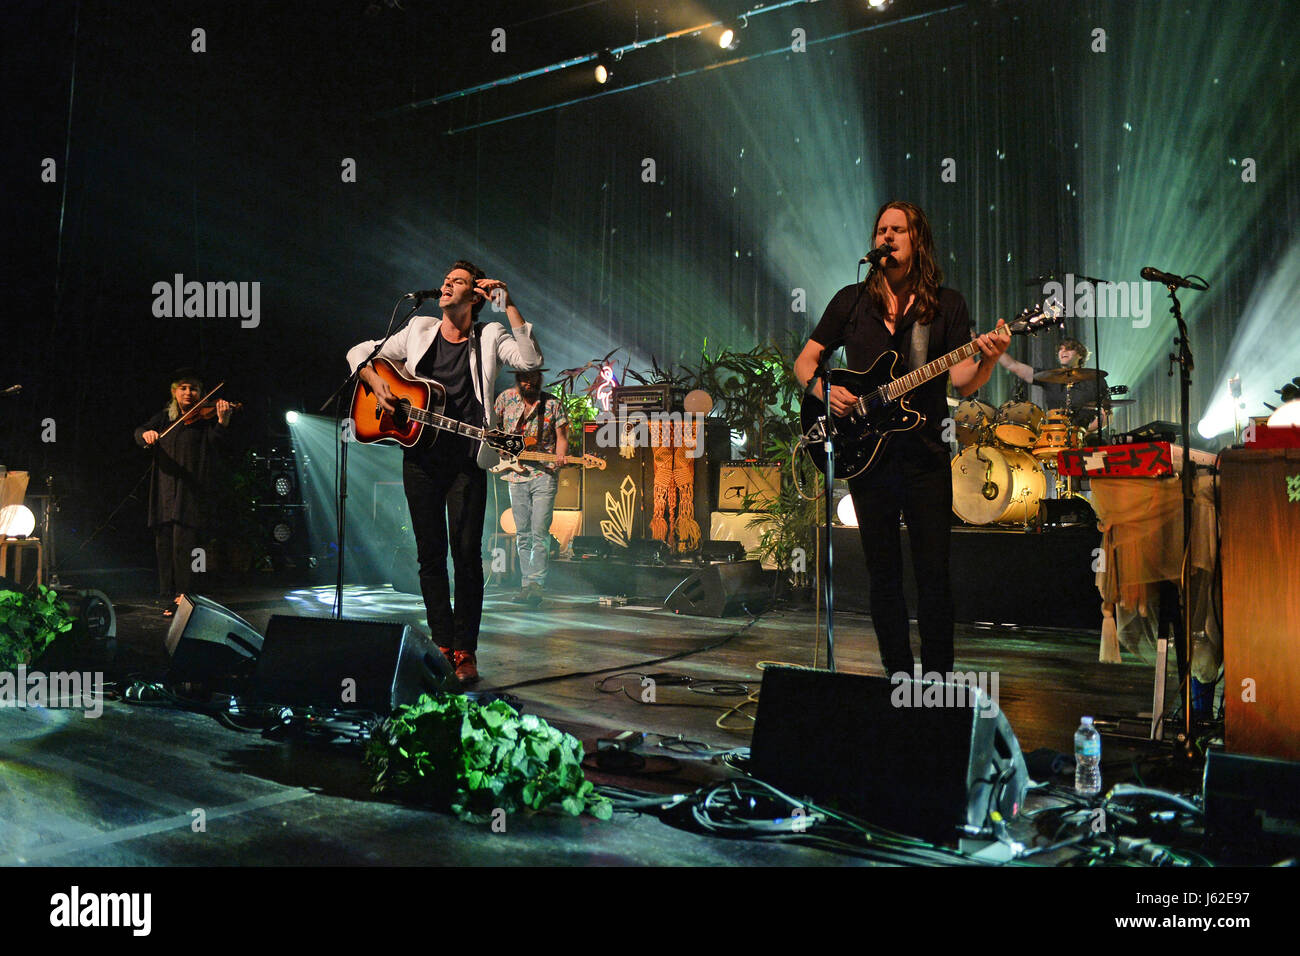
{"points": [[760, 481], [648, 398], [613, 497]]}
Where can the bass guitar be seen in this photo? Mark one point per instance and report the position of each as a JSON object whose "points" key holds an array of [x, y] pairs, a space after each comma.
{"points": [[419, 404], [511, 466], [881, 408]]}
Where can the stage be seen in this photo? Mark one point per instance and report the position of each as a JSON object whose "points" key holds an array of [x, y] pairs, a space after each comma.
{"points": [[126, 788]]}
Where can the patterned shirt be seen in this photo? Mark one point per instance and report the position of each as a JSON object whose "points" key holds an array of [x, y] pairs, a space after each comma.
{"points": [[539, 430]]}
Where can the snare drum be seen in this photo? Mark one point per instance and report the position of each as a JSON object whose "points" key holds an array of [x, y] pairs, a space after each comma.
{"points": [[1018, 424], [973, 419], [992, 485]]}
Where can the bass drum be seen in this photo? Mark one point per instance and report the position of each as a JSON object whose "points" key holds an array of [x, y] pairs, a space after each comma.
{"points": [[992, 485]]}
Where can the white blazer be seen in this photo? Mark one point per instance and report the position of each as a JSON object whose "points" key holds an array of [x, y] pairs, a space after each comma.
{"points": [[499, 343]]}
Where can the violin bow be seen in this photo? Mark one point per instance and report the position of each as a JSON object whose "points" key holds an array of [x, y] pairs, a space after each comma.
{"points": [[197, 405]]}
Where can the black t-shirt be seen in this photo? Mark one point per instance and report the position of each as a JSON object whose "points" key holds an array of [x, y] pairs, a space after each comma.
{"points": [[852, 320], [1082, 392], [447, 363]]}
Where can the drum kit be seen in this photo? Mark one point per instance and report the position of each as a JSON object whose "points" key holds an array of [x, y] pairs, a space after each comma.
{"points": [[1000, 473]]}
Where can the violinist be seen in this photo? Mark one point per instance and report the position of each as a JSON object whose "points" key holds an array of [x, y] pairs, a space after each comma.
{"points": [[186, 439]]}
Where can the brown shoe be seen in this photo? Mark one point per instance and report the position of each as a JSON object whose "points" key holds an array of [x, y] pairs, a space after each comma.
{"points": [[447, 652], [466, 666]]}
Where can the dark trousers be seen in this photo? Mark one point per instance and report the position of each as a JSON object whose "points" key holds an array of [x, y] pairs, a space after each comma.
{"points": [[917, 483], [174, 546], [447, 495]]}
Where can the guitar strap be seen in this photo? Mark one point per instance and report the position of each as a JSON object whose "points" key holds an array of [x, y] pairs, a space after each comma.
{"points": [[482, 372]]}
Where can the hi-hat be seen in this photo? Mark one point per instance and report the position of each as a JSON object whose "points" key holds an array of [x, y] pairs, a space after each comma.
{"points": [[1065, 376]]}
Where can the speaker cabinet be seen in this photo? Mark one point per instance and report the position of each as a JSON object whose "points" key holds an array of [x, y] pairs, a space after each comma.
{"points": [[721, 590], [874, 749], [207, 641], [613, 497], [568, 489], [347, 665]]}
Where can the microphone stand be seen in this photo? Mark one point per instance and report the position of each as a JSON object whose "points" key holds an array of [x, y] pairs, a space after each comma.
{"points": [[828, 439], [336, 399], [1185, 362]]}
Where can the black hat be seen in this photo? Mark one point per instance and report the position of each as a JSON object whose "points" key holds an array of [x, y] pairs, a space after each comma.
{"points": [[186, 373], [530, 371]]}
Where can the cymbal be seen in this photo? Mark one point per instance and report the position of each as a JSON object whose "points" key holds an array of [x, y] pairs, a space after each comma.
{"points": [[1112, 402], [1065, 376]]}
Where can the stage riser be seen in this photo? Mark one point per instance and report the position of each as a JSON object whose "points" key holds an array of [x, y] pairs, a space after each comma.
{"points": [[999, 577]]}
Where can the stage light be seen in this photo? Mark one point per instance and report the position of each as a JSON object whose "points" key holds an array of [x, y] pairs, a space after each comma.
{"points": [[1286, 416], [879, 5], [846, 513], [291, 417], [16, 521], [604, 67], [728, 38]]}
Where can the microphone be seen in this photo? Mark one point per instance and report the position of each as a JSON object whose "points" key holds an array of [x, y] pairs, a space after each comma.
{"points": [[1166, 278], [877, 254], [423, 294]]}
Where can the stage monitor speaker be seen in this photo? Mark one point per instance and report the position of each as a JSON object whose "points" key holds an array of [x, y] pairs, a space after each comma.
{"points": [[720, 590], [1252, 803], [207, 641], [871, 748], [347, 665], [95, 612]]}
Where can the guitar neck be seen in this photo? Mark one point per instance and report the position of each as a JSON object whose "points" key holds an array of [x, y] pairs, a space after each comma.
{"points": [[443, 423], [537, 456], [914, 379]]}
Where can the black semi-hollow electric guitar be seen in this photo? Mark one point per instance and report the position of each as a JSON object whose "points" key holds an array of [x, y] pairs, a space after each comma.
{"points": [[881, 407]]}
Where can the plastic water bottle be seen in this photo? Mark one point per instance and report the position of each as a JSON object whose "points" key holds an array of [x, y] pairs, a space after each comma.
{"points": [[1087, 759]]}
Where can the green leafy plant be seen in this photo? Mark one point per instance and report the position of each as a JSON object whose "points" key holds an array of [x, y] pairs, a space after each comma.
{"points": [[476, 758], [29, 623], [790, 522]]}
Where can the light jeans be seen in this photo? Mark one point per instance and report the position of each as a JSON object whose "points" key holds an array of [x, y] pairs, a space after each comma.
{"points": [[533, 504]]}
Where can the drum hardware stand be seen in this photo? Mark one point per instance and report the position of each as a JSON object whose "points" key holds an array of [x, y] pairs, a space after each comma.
{"points": [[1096, 341]]}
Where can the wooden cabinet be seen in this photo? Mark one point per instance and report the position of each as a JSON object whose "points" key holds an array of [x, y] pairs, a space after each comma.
{"points": [[1260, 525]]}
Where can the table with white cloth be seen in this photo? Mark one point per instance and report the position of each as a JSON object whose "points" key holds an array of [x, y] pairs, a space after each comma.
{"points": [[1141, 521]]}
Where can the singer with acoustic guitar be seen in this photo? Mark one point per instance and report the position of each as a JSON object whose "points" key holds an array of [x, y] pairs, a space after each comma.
{"points": [[902, 307], [443, 471]]}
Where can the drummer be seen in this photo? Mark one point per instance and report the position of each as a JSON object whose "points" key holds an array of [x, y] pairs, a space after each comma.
{"points": [[1071, 354]]}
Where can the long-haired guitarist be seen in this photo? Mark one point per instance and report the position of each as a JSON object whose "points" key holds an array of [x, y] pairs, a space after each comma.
{"points": [[902, 307], [446, 487], [539, 417]]}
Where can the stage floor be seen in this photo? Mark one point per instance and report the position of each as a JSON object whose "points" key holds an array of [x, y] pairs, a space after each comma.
{"points": [[123, 789]]}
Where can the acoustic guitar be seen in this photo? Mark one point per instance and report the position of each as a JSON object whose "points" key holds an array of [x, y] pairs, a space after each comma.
{"points": [[419, 405]]}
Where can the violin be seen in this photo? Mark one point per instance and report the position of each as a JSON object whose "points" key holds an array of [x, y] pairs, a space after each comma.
{"points": [[206, 412]]}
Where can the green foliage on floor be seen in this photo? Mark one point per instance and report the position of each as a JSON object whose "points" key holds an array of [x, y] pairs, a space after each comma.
{"points": [[475, 759], [29, 623]]}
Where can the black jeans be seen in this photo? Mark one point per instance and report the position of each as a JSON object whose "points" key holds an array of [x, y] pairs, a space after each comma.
{"points": [[916, 481], [174, 546], [447, 495]]}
